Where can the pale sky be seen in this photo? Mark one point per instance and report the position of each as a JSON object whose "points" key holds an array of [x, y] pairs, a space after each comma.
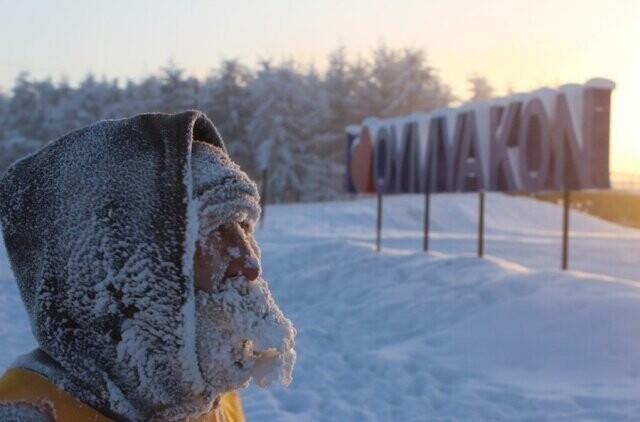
{"points": [[516, 44]]}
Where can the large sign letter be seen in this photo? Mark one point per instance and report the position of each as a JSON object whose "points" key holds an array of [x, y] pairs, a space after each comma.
{"points": [[468, 177], [533, 146], [570, 159], [407, 176], [384, 161], [361, 163]]}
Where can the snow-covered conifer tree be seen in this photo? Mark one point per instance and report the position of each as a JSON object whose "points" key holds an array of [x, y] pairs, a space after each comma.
{"points": [[401, 82], [226, 99], [93, 100], [480, 88], [177, 92], [287, 126]]}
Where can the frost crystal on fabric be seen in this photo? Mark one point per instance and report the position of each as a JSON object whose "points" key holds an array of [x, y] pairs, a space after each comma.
{"points": [[224, 192], [100, 227], [22, 412]]}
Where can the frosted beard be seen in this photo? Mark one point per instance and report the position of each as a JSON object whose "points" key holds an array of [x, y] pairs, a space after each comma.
{"points": [[242, 334]]}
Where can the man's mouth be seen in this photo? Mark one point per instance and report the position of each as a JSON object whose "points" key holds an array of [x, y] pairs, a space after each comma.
{"points": [[265, 363]]}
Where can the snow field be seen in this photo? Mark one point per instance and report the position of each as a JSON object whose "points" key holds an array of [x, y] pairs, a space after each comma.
{"points": [[404, 335]]}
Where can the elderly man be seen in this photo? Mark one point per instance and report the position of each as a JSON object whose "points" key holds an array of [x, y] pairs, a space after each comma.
{"points": [[131, 242]]}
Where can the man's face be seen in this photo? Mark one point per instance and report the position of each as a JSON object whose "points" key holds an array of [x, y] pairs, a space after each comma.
{"points": [[240, 331]]}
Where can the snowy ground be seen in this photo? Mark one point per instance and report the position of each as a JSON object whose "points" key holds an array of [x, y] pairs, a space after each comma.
{"points": [[404, 335]]}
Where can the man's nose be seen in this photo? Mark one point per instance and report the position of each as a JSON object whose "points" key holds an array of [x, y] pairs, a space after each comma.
{"points": [[243, 260], [244, 267]]}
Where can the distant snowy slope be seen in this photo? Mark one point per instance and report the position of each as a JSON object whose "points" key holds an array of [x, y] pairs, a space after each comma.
{"points": [[403, 335]]}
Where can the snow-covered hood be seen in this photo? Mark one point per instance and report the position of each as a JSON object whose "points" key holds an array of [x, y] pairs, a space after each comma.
{"points": [[98, 226]]}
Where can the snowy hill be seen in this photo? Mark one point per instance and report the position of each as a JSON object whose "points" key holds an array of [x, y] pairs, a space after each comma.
{"points": [[404, 335]]}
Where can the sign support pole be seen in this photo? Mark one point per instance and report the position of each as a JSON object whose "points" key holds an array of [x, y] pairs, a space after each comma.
{"points": [[565, 231], [481, 225], [427, 212], [379, 223]]}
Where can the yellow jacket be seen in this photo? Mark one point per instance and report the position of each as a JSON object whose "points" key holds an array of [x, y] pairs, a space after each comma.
{"points": [[22, 386]]}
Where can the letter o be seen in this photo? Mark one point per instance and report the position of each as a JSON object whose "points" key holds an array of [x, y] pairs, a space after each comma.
{"points": [[534, 146]]}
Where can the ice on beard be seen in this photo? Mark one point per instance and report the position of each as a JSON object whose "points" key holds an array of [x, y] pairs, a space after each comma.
{"points": [[242, 334]]}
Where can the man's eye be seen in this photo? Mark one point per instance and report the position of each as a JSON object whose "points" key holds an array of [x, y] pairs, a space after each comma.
{"points": [[246, 226]]}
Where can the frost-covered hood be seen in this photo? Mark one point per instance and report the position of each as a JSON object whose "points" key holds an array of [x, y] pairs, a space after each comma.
{"points": [[97, 228]]}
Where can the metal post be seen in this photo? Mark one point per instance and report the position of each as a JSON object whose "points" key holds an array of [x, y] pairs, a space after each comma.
{"points": [[379, 223], [565, 231], [427, 210], [263, 196], [481, 225]]}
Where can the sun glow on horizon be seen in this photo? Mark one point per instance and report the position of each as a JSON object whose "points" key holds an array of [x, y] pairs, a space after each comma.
{"points": [[517, 45]]}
